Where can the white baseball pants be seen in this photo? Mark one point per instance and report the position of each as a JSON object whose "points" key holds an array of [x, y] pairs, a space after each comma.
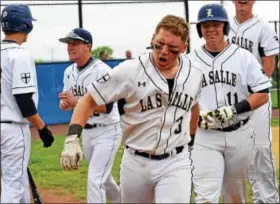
{"points": [[100, 146]]}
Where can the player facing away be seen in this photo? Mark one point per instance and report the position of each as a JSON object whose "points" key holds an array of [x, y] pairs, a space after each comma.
{"points": [[225, 137], [253, 34], [19, 99], [161, 90], [101, 136]]}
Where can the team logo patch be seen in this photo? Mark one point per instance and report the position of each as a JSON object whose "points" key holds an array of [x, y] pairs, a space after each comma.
{"points": [[25, 77], [104, 78], [4, 14]]}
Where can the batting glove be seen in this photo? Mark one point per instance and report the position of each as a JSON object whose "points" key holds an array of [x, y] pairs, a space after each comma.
{"points": [[224, 113], [206, 121], [191, 143], [46, 136], [72, 154]]}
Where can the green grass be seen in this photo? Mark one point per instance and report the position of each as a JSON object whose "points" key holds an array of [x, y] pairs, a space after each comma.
{"points": [[274, 98], [275, 122], [47, 173]]}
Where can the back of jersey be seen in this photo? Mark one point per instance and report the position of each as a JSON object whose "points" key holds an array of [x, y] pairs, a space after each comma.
{"points": [[18, 76]]}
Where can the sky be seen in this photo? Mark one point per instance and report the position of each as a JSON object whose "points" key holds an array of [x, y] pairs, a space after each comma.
{"points": [[120, 26]]}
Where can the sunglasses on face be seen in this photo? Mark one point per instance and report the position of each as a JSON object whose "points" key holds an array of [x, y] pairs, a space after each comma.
{"points": [[171, 50]]}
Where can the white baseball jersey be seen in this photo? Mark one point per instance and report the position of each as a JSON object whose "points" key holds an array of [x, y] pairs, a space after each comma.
{"points": [[76, 81], [18, 77], [155, 121], [254, 35], [227, 78]]}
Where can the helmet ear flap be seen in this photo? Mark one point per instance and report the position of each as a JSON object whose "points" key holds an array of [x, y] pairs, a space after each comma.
{"points": [[198, 28], [226, 28]]}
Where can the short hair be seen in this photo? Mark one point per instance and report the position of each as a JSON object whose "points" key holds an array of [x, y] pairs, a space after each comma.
{"points": [[176, 25]]}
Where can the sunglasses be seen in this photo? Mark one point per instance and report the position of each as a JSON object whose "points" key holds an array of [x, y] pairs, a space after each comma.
{"points": [[171, 50]]}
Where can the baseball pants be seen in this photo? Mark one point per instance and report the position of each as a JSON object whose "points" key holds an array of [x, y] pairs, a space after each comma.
{"points": [[144, 180], [100, 146], [15, 152], [220, 161], [261, 172]]}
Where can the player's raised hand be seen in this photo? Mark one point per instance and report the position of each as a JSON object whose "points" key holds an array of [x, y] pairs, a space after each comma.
{"points": [[72, 154], [224, 113], [64, 105], [68, 97]]}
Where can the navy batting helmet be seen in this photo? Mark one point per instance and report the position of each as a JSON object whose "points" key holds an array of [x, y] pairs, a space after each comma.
{"points": [[17, 18], [212, 12]]}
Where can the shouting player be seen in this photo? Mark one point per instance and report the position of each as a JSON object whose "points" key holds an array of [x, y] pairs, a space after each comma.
{"points": [[161, 90], [224, 141], [253, 34], [19, 99], [102, 132]]}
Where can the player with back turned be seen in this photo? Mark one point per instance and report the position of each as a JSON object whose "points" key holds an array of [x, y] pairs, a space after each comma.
{"points": [[258, 37], [160, 90], [19, 99], [225, 137]]}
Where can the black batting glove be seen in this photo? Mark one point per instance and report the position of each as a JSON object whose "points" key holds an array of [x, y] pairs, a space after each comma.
{"points": [[191, 143], [46, 136]]}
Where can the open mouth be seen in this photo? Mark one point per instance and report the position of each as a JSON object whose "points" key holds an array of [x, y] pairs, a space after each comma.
{"points": [[162, 59]]}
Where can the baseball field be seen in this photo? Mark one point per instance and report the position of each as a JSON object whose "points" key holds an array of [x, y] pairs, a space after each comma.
{"points": [[58, 186]]}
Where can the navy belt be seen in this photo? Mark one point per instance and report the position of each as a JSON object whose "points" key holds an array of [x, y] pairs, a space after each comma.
{"points": [[233, 127], [8, 122], [90, 126], [156, 157]]}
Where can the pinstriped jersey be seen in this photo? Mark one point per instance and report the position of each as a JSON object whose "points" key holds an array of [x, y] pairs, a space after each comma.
{"points": [[76, 81], [18, 76], [228, 78], [254, 35], [154, 120]]}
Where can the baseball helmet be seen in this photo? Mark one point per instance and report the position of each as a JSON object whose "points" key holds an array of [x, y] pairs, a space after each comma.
{"points": [[212, 12], [17, 18]]}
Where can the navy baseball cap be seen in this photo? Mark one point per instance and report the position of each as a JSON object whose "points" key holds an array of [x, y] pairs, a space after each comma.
{"points": [[78, 34]]}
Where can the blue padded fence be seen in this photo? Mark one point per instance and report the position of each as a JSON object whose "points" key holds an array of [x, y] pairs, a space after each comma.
{"points": [[50, 84]]}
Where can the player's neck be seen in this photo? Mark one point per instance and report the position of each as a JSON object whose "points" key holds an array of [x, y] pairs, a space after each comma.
{"points": [[15, 37], [216, 47], [241, 18], [83, 61]]}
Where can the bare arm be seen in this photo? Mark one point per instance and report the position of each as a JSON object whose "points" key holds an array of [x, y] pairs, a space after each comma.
{"points": [[194, 119], [36, 121], [83, 110], [268, 64], [257, 99]]}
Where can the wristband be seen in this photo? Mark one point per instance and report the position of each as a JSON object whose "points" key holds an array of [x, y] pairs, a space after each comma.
{"points": [[75, 129], [242, 107]]}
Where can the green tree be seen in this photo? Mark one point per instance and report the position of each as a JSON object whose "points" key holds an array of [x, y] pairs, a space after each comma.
{"points": [[95, 53], [38, 60]]}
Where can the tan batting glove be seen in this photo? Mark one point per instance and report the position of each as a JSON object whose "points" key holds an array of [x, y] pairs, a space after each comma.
{"points": [[224, 114], [206, 121], [72, 153]]}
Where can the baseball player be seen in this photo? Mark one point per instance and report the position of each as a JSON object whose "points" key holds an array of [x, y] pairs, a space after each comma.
{"points": [[253, 34], [224, 141], [102, 132], [161, 90], [19, 99]]}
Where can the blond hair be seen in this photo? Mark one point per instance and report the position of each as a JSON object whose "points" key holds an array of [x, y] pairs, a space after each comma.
{"points": [[176, 25]]}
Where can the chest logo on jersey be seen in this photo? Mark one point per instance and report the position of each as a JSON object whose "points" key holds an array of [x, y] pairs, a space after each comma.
{"points": [[219, 76], [243, 42], [78, 90], [178, 99], [25, 77]]}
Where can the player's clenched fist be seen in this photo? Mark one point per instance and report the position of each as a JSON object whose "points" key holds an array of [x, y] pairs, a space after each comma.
{"points": [[46, 136], [67, 98], [224, 113], [72, 154]]}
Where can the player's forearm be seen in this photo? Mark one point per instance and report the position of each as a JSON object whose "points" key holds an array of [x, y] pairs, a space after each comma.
{"points": [[100, 109], [83, 110], [36, 121], [194, 119], [257, 99], [268, 65]]}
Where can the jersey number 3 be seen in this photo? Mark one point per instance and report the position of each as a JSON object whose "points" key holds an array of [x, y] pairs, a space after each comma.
{"points": [[179, 128]]}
